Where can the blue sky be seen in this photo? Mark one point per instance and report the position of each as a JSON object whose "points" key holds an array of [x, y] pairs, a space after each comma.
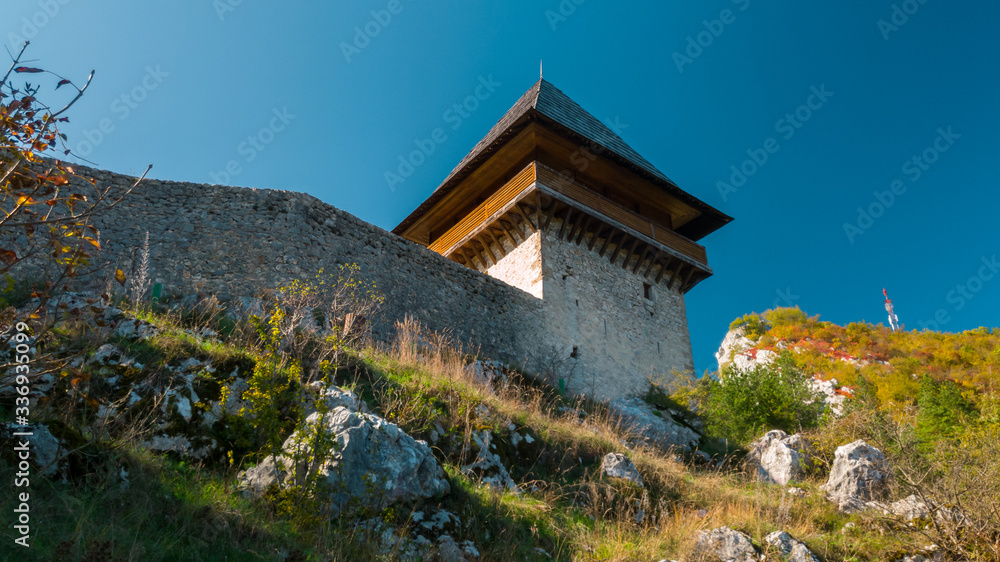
{"points": [[889, 107]]}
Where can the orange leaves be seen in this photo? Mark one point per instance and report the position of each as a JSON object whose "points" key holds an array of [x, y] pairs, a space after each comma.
{"points": [[120, 277], [7, 256]]}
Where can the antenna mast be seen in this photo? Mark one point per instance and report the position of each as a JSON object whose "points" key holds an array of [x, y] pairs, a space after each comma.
{"points": [[893, 321]]}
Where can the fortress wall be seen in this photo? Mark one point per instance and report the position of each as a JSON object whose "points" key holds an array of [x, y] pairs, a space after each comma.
{"points": [[234, 242]]}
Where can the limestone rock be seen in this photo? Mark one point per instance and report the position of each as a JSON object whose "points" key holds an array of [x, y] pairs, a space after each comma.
{"points": [[912, 508], [134, 329], [860, 474], [617, 465], [791, 549], [732, 345], [640, 421], [725, 543], [333, 397], [779, 457], [488, 466], [374, 462]]}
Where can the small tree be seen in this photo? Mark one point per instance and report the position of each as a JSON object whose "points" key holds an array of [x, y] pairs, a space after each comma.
{"points": [[742, 404], [45, 216]]}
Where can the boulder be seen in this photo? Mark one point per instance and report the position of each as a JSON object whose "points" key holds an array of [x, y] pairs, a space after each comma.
{"points": [[912, 508], [333, 397], [790, 549], [726, 544], [642, 424], [860, 474], [373, 462], [617, 465], [779, 457]]}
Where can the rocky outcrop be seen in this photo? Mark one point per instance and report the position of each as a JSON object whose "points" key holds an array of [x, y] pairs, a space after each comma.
{"points": [[733, 345], [860, 474], [790, 549], [617, 465], [654, 427], [725, 544], [373, 463], [778, 457]]}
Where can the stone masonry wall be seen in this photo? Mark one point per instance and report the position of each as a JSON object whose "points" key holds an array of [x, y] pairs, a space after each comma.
{"points": [[234, 242], [621, 339]]}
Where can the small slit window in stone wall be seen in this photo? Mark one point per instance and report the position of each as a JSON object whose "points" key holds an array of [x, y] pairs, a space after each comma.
{"points": [[647, 291]]}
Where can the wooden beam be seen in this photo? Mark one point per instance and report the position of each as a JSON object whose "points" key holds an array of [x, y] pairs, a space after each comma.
{"points": [[607, 242], [548, 216], [503, 251], [618, 247], [638, 262], [472, 257], [687, 278], [664, 267], [652, 262], [538, 209], [565, 221], [631, 251], [520, 211], [486, 253], [597, 234], [676, 276], [583, 230], [514, 241]]}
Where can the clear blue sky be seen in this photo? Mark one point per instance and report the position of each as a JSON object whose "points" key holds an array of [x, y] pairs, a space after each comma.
{"points": [[200, 77]]}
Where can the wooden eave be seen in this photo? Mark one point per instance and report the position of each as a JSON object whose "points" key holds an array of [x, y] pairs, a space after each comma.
{"points": [[539, 198]]}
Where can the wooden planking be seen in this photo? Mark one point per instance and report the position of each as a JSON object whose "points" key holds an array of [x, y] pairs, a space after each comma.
{"points": [[576, 192], [496, 202]]}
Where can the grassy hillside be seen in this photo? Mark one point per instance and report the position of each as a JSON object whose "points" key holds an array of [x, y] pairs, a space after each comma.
{"points": [[117, 500]]}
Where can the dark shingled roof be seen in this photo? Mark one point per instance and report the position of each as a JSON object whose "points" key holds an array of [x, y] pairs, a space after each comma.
{"points": [[546, 103]]}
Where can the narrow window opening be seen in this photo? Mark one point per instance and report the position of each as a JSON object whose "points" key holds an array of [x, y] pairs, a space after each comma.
{"points": [[575, 353], [647, 291]]}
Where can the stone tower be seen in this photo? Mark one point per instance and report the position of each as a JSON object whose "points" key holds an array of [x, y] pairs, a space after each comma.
{"points": [[553, 202]]}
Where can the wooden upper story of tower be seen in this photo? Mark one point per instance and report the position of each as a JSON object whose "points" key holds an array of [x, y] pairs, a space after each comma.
{"points": [[549, 163]]}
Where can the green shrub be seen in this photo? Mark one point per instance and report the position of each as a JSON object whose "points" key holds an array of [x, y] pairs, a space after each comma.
{"points": [[755, 327], [943, 410], [743, 404]]}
